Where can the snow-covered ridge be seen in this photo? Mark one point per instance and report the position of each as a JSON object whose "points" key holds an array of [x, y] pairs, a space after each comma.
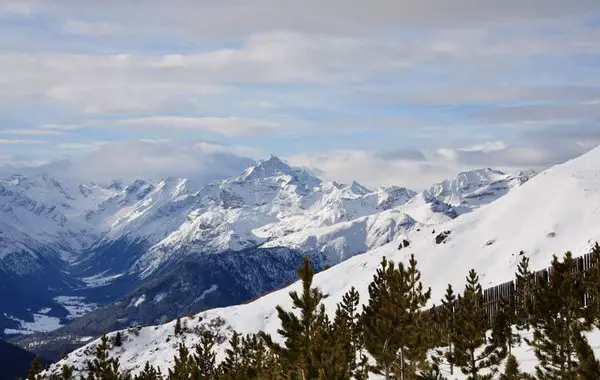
{"points": [[556, 211]]}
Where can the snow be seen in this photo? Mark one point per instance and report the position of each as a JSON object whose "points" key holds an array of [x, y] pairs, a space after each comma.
{"points": [[76, 306], [212, 289], [556, 211], [270, 202], [139, 301], [41, 323], [100, 279]]}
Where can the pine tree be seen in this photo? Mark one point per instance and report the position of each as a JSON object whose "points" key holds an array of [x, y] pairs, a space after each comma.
{"points": [[511, 370], [592, 283], [347, 336], [35, 369], [184, 367], [204, 356], [66, 372], [471, 326], [524, 289], [588, 367], [235, 365], [447, 326], [118, 339], [300, 355], [149, 373], [178, 329], [103, 367], [559, 313], [394, 326], [506, 318]]}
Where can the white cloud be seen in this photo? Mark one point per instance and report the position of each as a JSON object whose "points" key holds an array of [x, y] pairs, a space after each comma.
{"points": [[201, 162], [91, 28], [226, 126], [61, 127], [206, 18], [20, 141], [15, 8], [29, 132], [372, 170]]}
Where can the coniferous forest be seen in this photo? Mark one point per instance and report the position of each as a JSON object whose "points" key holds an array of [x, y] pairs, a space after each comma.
{"points": [[396, 335]]}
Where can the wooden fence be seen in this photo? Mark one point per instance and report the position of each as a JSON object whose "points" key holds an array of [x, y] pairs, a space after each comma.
{"points": [[492, 297]]}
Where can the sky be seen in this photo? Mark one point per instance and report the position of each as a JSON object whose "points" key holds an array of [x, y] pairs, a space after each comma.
{"points": [[404, 92]]}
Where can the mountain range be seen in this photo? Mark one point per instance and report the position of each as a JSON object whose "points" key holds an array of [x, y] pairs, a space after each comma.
{"points": [[105, 256], [555, 211]]}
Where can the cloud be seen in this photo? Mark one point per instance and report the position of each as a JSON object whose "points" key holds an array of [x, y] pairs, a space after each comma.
{"points": [[205, 18], [201, 162], [61, 127], [460, 94], [226, 126], [91, 28], [29, 132], [20, 141], [15, 8], [541, 113]]}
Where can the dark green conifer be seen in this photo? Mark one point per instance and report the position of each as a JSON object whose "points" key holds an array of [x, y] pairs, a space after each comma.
{"points": [[347, 336], [178, 329], [66, 372], [35, 369], [118, 339], [472, 351], [592, 283], [300, 353], [559, 313], [511, 370], [149, 373], [395, 329], [204, 356], [504, 319], [103, 367], [447, 327], [184, 366], [588, 367], [524, 290]]}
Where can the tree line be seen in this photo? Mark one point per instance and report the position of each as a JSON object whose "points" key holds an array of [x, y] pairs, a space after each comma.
{"points": [[395, 335]]}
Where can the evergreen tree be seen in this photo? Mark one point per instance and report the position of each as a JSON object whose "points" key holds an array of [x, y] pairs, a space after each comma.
{"points": [[300, 354], [511, 370], [235, 365], [178, 329], [559, 314], [118, 339], [149, 373], [66, 372], [184, 367], [524, 290], [347, 336], [204, 356], [35, 369], [103, 367], [394, 326], [589, 367], [471, 326], [504, 319], [592, 283], [447, 326]]}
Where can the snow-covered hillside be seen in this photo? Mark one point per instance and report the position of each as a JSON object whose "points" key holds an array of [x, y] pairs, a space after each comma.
{"points": [[557, 210], [86, 235]]}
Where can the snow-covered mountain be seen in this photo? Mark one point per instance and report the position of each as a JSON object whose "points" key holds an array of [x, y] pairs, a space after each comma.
{"points": [[556, 211], [99, 242]]}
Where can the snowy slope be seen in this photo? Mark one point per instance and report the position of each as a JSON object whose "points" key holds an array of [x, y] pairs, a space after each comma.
{"points": [[555, 211]]}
